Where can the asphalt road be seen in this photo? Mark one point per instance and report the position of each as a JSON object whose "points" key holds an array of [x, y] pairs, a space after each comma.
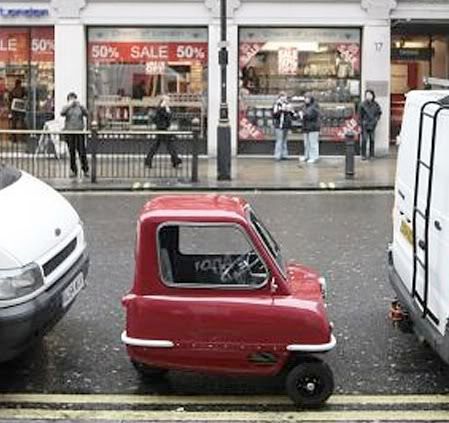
{"points": [[345, 235]]}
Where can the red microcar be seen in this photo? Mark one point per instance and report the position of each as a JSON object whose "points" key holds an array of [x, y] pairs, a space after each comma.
{"points": [[211, 293]]}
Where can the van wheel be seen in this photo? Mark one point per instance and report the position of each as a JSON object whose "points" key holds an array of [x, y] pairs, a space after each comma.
{"points": [[310, 384], [148, 371]]}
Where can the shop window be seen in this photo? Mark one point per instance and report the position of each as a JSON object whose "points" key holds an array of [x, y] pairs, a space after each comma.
{"points": [[26, 77], [322, 61], [208, 256], [130, 68]]}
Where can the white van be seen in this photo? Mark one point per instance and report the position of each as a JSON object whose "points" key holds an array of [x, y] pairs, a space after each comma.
{"points": [[419, 265], [43, 259]]}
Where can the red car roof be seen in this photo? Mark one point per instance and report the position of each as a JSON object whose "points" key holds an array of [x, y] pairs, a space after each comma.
{"points": [[198, 204]]}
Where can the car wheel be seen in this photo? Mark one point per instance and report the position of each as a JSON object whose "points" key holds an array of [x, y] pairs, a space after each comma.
{"points": [[148, 371], [310, 384]]}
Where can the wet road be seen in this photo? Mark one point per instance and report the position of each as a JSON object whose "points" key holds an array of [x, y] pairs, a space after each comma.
{"points": [[343, 234]]}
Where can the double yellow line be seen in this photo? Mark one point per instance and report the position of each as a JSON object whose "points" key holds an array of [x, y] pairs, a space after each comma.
{"points": [[111, 407]]}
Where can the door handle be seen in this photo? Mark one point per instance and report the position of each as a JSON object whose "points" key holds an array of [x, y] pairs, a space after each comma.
{"points": [[438, 226], [422, 244]]}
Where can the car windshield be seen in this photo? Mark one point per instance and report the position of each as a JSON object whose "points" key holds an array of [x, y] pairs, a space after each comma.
{"points": [[269, 241], [8, 175]]}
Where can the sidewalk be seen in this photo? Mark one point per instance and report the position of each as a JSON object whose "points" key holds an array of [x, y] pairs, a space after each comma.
{"points": [[250, 173]]}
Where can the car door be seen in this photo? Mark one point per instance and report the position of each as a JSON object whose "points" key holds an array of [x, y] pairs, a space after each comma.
{"points": [[221, 289]]}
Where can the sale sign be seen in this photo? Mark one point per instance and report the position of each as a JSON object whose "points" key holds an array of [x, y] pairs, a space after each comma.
{"points": [[19, 45], [288, 61], [350, 52], [145, 52], [247, 51]]}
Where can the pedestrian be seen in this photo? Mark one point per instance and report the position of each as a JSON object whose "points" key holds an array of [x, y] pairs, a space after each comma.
{"points": [[370, 113], [311, 123], [74, 114], [17, 97], [162, 120], [283, 114]]}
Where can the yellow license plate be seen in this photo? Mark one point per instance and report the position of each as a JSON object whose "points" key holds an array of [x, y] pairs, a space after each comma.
{"points": [[407, 232]]}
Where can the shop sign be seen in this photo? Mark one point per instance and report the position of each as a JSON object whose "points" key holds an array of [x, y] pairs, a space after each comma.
{"points": [[29, 12], [288, 61], [412, 54], [147, 52], [247, 51], [249, 131], [15, 45], [155, 68]]}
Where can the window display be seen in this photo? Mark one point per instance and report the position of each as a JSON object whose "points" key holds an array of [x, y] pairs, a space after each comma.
{"points": [[26, 77], [130, 68], [324, 62]]}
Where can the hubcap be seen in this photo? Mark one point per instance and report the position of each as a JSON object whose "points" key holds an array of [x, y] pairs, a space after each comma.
{"points": [[310, 386]]}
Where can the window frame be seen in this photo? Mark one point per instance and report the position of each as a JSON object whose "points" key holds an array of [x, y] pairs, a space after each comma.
{"points": [[195, 285]]}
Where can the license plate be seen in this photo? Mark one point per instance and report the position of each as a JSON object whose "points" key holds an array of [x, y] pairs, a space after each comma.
{"points": [[69, 294], [407, 232]]}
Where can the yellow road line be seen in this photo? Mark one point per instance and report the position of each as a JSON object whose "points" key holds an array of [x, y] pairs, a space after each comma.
{"points": [[181, 416], [214, 399]]}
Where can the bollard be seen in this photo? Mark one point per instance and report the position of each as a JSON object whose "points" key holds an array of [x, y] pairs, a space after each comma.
{"points": [[93, 151], [349, 154], [196, 135]]}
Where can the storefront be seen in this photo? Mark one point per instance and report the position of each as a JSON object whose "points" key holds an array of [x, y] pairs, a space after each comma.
{"points": [[26, 76], [418, 50], [324, 62], [129, 68], [120, 56]]}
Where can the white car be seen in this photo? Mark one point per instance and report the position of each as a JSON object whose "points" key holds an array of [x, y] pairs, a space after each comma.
{"points": [[43, 259]]}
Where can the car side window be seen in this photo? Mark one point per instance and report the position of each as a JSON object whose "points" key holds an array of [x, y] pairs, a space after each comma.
{"points": [[209, 255]]}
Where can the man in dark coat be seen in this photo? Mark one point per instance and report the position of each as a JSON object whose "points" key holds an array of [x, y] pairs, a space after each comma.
{"points": [[162, 120], [283, 114], [311, 124], [370, 113]]}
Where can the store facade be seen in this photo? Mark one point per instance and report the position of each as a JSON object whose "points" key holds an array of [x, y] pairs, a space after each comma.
{"points": [[119, 57]]}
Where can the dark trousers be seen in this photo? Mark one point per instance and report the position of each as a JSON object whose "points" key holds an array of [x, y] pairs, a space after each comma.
{"points": [[368, 137], [17, 122], [76, 144], [169, 143]]}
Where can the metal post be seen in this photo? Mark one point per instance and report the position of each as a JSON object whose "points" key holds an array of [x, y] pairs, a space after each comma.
{"points": [[94, 147], [349, 155], [196, 133], [224, 128]]}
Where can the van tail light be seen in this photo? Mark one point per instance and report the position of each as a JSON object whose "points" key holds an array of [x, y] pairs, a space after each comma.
{"points": [[127, 299]]}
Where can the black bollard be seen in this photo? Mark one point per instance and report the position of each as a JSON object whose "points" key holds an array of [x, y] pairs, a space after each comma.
{"points": [[349, 154]]}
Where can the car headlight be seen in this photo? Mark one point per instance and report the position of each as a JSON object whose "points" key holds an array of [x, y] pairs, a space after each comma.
{"points": [[16, 283]]}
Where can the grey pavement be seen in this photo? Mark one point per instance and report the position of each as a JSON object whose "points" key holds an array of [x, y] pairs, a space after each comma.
{"points": [[344, 235], [264, 174]]}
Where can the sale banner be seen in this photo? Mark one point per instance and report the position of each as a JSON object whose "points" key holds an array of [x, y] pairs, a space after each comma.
{"points": [[350, 52], [249, 131], [247, 51], [288, 61], [145, 52], [42, 44], [338, 133], [14, 45]]}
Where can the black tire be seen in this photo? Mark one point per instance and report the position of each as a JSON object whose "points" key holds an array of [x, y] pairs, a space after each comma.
{"points": [[148, 371], [310, 384]]}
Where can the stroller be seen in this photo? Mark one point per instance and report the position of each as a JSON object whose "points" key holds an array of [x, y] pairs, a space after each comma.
{"points": [[52, 144]]}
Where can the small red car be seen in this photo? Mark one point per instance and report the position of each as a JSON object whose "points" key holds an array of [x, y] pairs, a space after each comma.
{"points": [[211, 293]]}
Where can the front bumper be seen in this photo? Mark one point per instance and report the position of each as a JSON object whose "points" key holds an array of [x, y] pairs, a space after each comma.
{"points": [[22, 324], [423, 328]]}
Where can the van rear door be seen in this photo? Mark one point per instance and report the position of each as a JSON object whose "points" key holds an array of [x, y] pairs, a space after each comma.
{"points": [[438, 293]]}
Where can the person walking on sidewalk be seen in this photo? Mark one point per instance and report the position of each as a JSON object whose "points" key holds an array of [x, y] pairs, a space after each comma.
{"points": [[283, 115], [74, 114], [370, 113], [311, 129], [162, 119]]}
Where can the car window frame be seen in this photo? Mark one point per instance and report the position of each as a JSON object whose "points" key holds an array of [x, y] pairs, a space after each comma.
{"points": [[195, 285]]}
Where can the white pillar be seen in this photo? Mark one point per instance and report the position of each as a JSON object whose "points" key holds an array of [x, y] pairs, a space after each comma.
{"points": [[214, 91], [376, 74], [70, 63]]}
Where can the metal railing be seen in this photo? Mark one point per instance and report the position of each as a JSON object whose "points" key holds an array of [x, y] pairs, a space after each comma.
{"points": [[112, 155]]}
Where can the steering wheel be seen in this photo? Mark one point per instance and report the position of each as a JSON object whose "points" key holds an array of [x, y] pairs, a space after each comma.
{"points": [[241, 266]]}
